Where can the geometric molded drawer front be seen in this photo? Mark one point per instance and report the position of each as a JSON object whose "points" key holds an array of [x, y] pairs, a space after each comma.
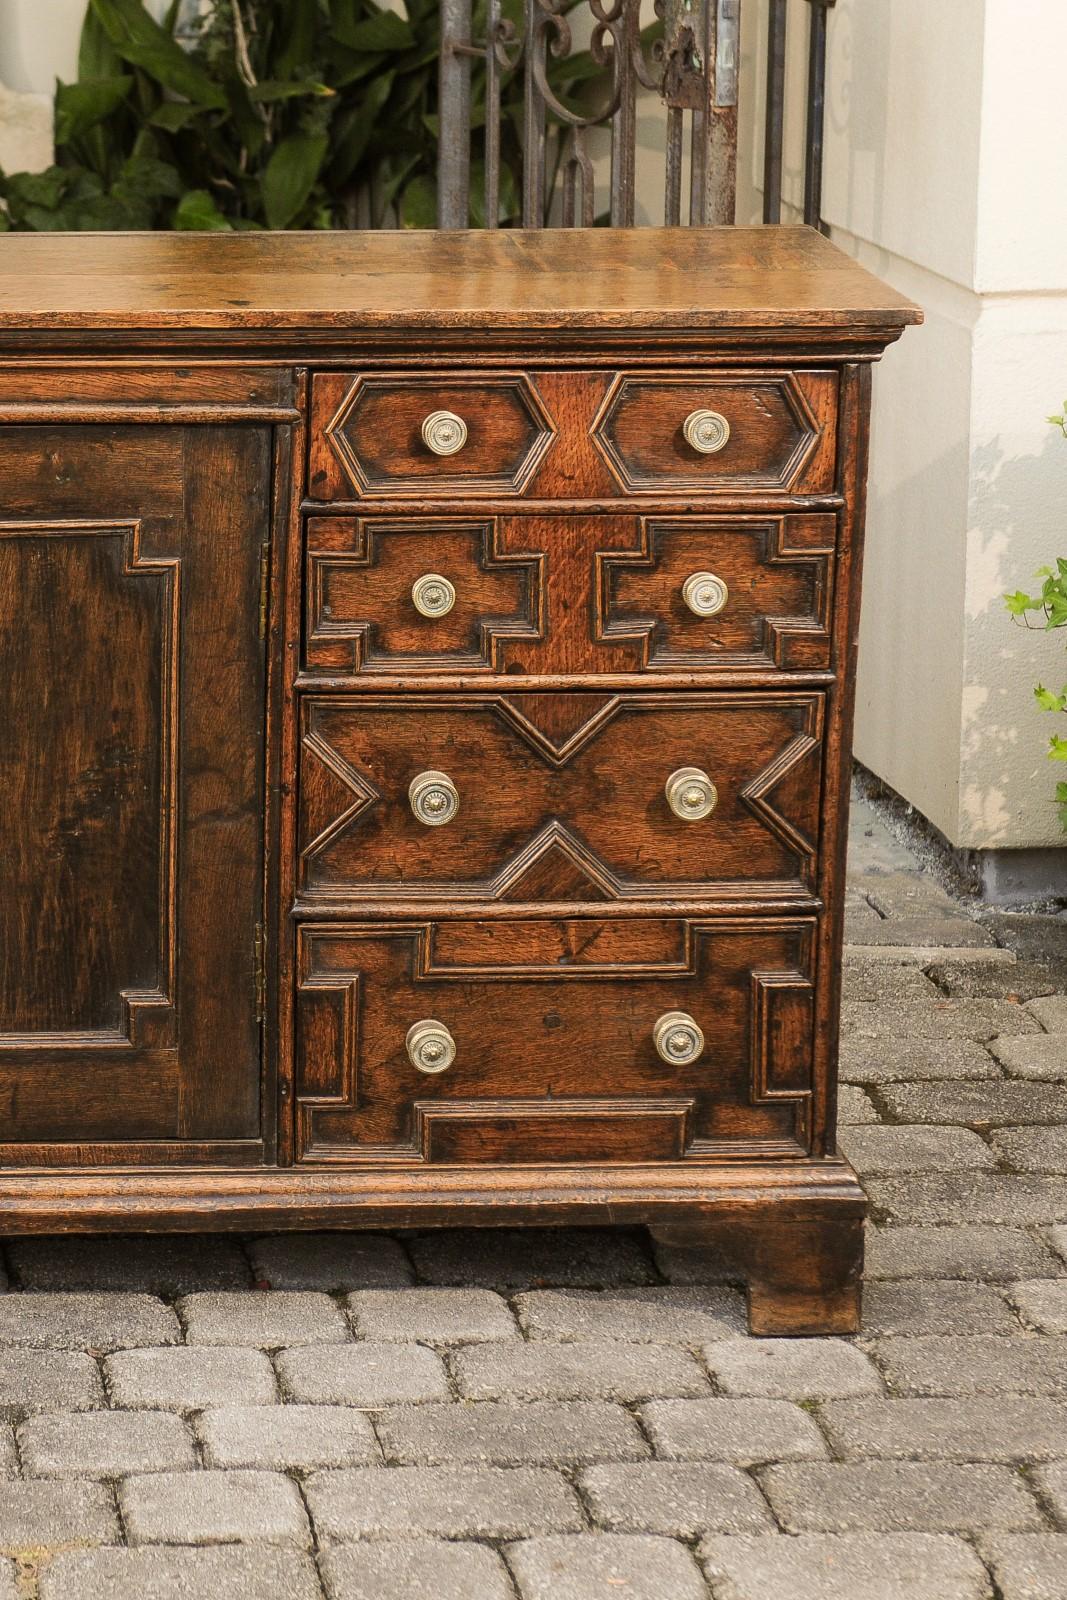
{"points": [[561, 797], [569, 595], [553, 1028], [772, 430], [379, 434]]}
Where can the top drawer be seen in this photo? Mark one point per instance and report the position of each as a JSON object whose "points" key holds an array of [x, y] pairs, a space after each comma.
{"points": [[561, 435]]}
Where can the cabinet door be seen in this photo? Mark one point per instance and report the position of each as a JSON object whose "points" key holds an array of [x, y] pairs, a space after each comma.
{"points": [[131, 728]]}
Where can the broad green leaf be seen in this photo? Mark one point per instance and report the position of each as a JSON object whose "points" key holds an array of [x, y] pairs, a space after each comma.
{"points": [[383, 31], [289, 89], [418, 203], [80, 106], [354, 129], [196, 212], [298, 45], [173, 115], [139, 39], [290, 176], [45, 189], [97, 57], [145, 176]]}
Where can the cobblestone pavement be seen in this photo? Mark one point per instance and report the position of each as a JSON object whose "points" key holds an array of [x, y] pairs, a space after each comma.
{"points": [[579, 1415]]}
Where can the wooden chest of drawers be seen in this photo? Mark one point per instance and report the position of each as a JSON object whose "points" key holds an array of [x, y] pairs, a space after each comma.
{"points": [[424, 725]]}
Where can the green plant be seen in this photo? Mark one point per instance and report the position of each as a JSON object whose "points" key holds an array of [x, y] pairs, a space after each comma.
{"points": [[268, 114], [1051, 603]]}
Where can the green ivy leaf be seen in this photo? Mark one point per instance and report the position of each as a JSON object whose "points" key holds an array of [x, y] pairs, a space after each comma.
{"points": [[290, 176], [196, 212], [80, 106], [1057, 748], [1019, 603], [1047, 700], [140, 40]]}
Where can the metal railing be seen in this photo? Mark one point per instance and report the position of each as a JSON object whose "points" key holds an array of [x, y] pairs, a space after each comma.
{"points": [[691, 66]]}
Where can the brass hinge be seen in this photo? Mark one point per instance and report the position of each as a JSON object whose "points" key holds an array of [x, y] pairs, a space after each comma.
{"points": [[264, 587], [259, 971]]}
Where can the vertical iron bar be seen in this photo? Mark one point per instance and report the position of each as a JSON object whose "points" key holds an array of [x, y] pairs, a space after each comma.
{"points": [[624, 122], [533, 143], [716, 125], [816, 112], [492, 118], [672, 197], [454, 111], [775, 122]]}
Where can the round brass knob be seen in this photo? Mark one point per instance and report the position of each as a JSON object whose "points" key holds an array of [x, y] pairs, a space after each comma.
{"points": [[706, 431], [691, 794], [434, 798], [430, 1046], [444, 433], [704, 594], [433, 595], [678, 1038]]}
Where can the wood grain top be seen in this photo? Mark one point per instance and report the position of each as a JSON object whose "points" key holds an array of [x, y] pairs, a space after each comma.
{"points": [[643, 278]]}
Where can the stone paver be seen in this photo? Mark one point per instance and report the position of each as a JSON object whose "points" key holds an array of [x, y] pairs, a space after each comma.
{"points": [[929, 1306], [434, 1316], [674, 1315], [166, 1264], [935, 1019], [1058, 1239], [533, 1258], [1004, 1428], [1017, 980], [1038, 1056], [287, 1437], [1011, 1199], [792, 1369], [937, 934], [588, 1566], [265, 1321], [415, 1567], [189, 1377], [43, 1514], [104, 1444], [8, 1586], [898, 1497], [974, 1365], [1051, 1013], [967, 1251], [678, 1499], [1028, 1566], [861, 1566], [214, 1508], [366, 1374], [1032, 1149], [582, 1371], [9, 1464], [330, 1261], [915, 1149], [986, 1105], [38, 1380], [550, 1432], [174, 1574], [85, 1321], [854, 1106], [1041, 1304], [1052, 1484], [745, 1432], [455, 1502], [905, 1060], [876, 980]]}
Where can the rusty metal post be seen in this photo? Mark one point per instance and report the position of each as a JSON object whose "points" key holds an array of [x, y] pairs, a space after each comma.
{"points": [[775, 118], [454, 114], [714, 160]]}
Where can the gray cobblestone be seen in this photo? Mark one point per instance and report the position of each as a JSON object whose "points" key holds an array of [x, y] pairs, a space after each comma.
{"points": [[792, 1369], [457, 1502], [330, 1261], [935, 1019], [532, 1258], [583, 1371], [898, 1497], [861, 1566], [435, 1316], [877, 980], [1058, 1240], [161, 1574], [676, 1315], [747, 1433], [166, 1264], [8, 1587], [189, 1377], [363, 1374], [853, 1106], [589, 1566], [554, 1433], [1042, 1304], [1038, 1056], [907, 1060], [214, 1508], [1052, 1483], [965, 1251], [1004, 1428], [909, 894], [677, 1499], [1030, 1566], [37, 1380], [9, 1465], [930, 1306], [430, 1567], [971, 1197], [103, 1444], [1032, 1149], [85, 1321], [915, 1149], [286, 1437], [41, 1514], [1051, 1012], [985, 1105], [932, 935], [974, 1365], [264, 1321], [985, 980]]}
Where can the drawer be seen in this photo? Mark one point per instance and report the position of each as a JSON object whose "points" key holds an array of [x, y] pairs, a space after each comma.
{"points": [[568, 595], [560, 797], [535, 1041], [572, 434]]}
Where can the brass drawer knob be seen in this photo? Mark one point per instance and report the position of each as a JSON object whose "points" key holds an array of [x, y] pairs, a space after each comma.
{"points": [[430, 1046], [444, 433], [691, 794], [706, 431], [434, 798], [433, 595], [704, 594], [678, 1038]]}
